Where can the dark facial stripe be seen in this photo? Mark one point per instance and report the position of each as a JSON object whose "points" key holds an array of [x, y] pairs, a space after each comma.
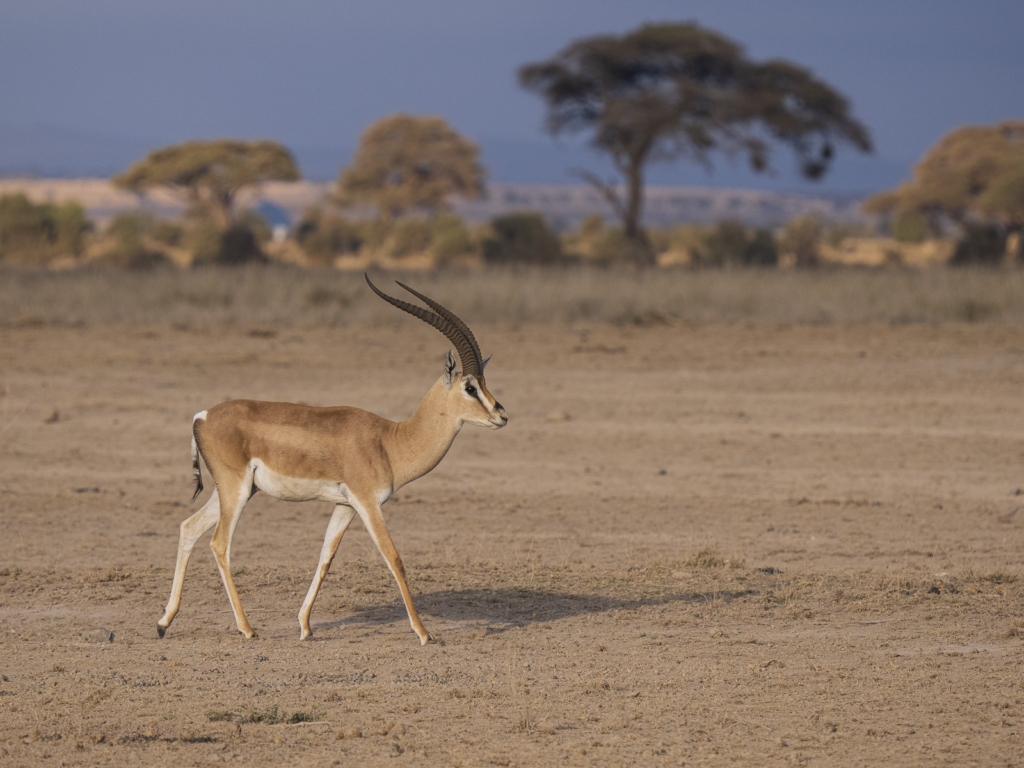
{"points": [[479, 394]]}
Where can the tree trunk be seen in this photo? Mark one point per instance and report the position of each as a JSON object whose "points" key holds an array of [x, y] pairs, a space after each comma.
{"points": [[641, 252], [223, 204]]}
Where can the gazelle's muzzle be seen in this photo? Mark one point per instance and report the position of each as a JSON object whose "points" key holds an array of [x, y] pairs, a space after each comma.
{"points": [[498, 418]]}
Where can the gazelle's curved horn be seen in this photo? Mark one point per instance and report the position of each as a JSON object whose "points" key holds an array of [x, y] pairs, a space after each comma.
{"points": [[452, 318], [465, 348]]}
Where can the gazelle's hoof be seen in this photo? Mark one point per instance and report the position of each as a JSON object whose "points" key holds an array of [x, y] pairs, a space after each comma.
{"points": [[160, 630]]}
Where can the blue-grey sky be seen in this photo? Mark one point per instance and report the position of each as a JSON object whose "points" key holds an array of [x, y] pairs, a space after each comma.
{"points": [[105, 77]]}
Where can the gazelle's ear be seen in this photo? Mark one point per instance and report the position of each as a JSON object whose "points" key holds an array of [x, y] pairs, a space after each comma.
{"points": [[483, 365], [449, 370]]}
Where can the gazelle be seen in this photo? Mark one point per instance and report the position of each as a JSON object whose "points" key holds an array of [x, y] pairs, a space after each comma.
{"points": [[345, 455]]}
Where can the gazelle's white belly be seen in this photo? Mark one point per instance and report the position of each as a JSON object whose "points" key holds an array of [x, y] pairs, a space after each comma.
{"points": [[296, 488]]}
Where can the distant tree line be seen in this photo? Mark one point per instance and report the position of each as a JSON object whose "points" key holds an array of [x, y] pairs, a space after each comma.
{"points": [[660, 93]]}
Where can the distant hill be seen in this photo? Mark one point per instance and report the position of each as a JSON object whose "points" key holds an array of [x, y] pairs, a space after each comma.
{"points": [[563, 204]]}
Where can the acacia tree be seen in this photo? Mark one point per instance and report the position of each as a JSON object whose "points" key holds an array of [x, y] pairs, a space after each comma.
{"points": [[972, 173], [406, 162], [666, 91], [211, 173]]}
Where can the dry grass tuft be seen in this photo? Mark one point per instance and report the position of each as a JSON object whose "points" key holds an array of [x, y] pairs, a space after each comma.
{"points": [[519, 693], [998, 577], [270, 715], [706, 557]]}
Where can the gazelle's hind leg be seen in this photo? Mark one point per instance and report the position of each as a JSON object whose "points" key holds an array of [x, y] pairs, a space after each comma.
{"points": [[191, 530], [231, 506], [335, 530]]}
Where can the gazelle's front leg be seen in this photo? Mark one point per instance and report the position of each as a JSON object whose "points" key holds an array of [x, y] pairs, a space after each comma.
{"points": [[335, 530], [370, 514]]}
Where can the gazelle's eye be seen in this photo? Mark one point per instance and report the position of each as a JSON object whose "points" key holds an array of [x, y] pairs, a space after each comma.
{"points": [[471, 390]]}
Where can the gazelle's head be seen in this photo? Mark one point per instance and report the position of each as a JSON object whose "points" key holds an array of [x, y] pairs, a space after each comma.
{"points": [[467, 391], [469, 397]]}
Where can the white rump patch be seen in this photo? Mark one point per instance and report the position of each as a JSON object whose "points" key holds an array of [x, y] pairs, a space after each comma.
{"points": [[200, 415]]}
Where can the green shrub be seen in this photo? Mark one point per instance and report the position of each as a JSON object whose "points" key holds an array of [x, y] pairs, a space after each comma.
{"points": [[910, 227], [202, 240], [33, 233], [375, 232], [979, 245], [239, 245], [409, 236], [251, 220], [726, 244], [326, 235], [25, 230], [449, 236], [170, 233], [271, 715], [208, 244], [323, 236], [125, 240], [311, 716], [730, 243], [70, 228], [611, 246], [802, 238], [522, 238], [596, 243], [761, 250]]}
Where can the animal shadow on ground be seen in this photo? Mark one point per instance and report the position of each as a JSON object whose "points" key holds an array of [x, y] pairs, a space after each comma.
{"points": [[504, 609]]}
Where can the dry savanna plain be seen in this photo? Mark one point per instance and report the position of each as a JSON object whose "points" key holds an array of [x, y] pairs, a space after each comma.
{"points": [[752, 538]]}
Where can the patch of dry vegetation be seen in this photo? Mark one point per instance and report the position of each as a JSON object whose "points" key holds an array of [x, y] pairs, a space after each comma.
{"points": [[279, 297]]}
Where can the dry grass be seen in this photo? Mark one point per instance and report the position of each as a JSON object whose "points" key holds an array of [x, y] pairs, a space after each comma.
{"points": [[707, 557], [278, 297]]}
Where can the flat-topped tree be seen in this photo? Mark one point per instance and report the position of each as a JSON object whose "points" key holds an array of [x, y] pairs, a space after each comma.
{"points": [[666, 91], [211, 173], [975, 172], [405, 162]]}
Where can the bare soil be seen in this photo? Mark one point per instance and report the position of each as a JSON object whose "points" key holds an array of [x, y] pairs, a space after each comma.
{"points": [[691, 546]]}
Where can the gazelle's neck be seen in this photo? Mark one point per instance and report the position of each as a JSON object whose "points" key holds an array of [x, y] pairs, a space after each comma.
{"points": [[419, 443]]}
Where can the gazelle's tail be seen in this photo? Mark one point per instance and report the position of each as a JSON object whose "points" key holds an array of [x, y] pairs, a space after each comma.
{"points": [[197, 472]]}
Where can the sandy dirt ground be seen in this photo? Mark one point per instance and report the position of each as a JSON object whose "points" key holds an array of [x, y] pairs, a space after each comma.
{"points": [[691, 546]]}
